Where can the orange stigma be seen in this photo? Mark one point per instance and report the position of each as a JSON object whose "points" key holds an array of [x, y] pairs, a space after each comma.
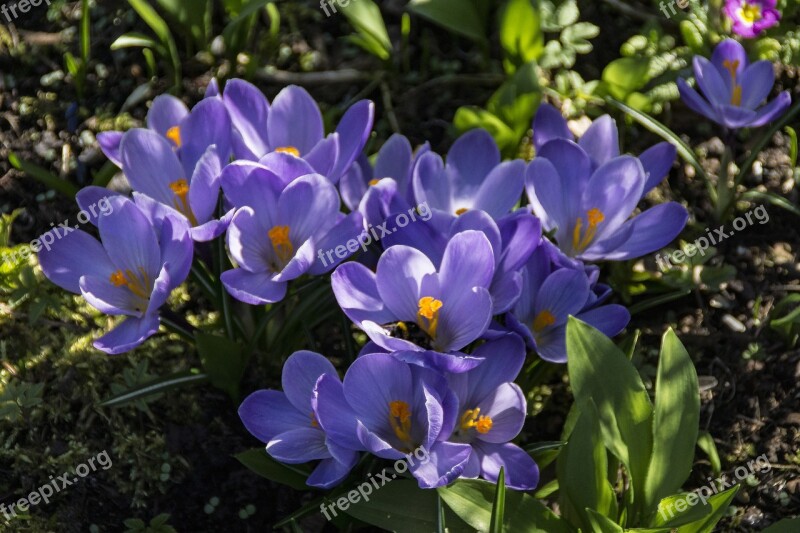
{"points": [[181, 202], [428, 314], [279, 236], [374, 182], [138, 285], [461, 211], [174, 135], [543, 319], [400, 420], [594, 216], [472, 419], [736, 93], [288, 150]]}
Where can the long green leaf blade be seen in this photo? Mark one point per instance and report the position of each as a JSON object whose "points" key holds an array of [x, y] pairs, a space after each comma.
{"points": [[498, 509], [160, 385]]}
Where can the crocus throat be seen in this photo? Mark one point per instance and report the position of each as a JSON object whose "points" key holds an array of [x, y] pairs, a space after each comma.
{"points": [[374, 182], [174, 135], [428, 315], [400, 420], [138, 285], [595, 217], [543, 319], [750, 13], [288, 150], [472, 418], [181, 203], [279, 236], [461, 211], [736, 94]]}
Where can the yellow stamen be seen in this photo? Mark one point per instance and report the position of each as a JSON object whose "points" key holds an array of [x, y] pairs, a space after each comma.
{"points": [[428, 314], [400, 420], [181, 203], [461, 211], [543, 319], [288, 150], [736, 94], [138, 285], [279, 236], [750, 13], [472, 419], [595, 217], [314, 423], [374, 182], [174, 135]]}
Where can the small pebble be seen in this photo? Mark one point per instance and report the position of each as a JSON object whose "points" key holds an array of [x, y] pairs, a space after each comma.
{"points": [[733, 323]]}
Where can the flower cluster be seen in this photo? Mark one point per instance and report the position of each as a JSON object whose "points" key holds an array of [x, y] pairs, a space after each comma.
{"points": [[452, 304]]}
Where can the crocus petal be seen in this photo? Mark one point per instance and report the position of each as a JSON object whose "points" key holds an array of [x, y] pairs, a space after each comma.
{"points": [[128, 335], [563, 293], [468, 262], [550, 201], [130, 239], [757, 82], [657, 162], [349, 228], [521, 234], [400, 274], [353, 186], [177, 249], [519, 469], [212, 229], [357, 294], [109, 142], [294, 120], [266, 413], [549, 125], [429, 182], [212, 89], [506, 406], [501, 189], [772, 110], [253, 288], [323, 156], [286, 166], [394, 161], [330, 472], [376, 444], [446, 463], [298, 446], [246, 241], [300, 374], [101, 294], [601, 141], [732, 51], [572, 163], [382, 338], [711, 81], [372, 383], [334, 414], [695, 102], [652, 230], [248, 109], [150, 164], [205, 185], [472, 157], [165, 113], [250, 184], [464, 322], [609, 319], [353, 129], [72, 256], [93, 201], [503, 360], [615, 189], [208, 124], [320, 203], [454, 362]]}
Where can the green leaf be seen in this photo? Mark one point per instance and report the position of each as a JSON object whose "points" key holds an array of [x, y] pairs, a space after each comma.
{"points": [[458, 16], [792, 145], [265, 466], [787, 525], [498, 509], [223, 361], [567, 14], [43, 176], [134, 40], [471, 117], [600, 374], [626, 75], [668, 135], [520, 33], [366, 18], [471, 500], [675, 422], [602, 524], [692, 36], [706, 443], [582, 473], [719, 504], [668, 515], [156, 386], [577, 36], [772, 198], [190, 16], [152, 19], [516, 101], [399, 506]]}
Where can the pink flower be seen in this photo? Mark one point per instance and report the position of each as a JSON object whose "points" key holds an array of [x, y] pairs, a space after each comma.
{"points": [[751, 17]]}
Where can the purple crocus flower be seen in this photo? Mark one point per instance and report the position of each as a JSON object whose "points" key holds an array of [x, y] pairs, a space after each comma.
{"points": [[395, 160], [472, 178], [162, 187], [409, 305], [601, 143], [751, 17], [131, 272], [491, 412], [189, 134], [553, 288], [391, 409], [733, 89], [279, 231], [590, 211], [293, 124], [287, 421]]}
